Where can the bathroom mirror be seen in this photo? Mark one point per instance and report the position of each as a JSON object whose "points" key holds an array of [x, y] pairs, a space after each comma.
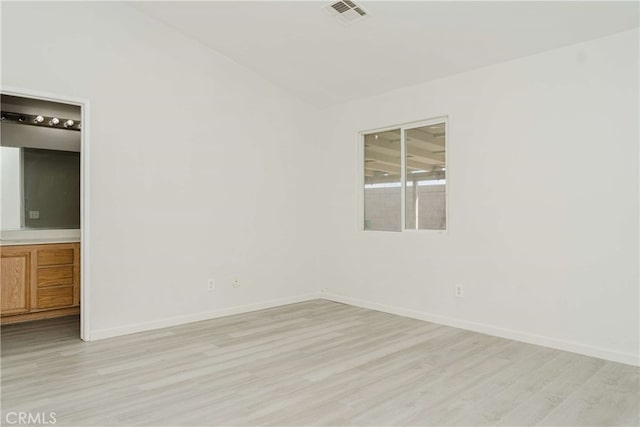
{"points": [[40, 165]]}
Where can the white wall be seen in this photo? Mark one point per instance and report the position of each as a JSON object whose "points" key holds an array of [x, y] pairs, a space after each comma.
{"points": [[192, 159], [10, 188], [543, 214]]}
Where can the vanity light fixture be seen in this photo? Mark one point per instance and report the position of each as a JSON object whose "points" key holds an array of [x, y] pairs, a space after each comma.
{"points": [[40, 120]]}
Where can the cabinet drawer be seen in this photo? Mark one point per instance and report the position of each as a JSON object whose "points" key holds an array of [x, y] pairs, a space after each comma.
{"points": [[55, 256], [49, 276], [61, 296]]}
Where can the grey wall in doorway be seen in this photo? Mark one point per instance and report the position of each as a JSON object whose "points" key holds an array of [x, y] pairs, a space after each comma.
{"points": [[52, 188]]}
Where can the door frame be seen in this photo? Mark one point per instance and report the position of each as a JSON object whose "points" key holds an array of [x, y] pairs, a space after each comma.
{"points": [[85, 288]]}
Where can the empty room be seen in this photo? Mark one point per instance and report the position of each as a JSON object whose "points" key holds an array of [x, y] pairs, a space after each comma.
{"points": [[305, 213]]}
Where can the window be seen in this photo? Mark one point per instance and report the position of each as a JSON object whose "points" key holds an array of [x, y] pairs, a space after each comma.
{"points": [[405, 178]]}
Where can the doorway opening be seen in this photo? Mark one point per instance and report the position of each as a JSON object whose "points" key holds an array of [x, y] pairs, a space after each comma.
{"points": [[44, 215]]}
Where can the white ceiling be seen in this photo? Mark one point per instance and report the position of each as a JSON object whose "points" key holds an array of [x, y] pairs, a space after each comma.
{"points": [[299, 47]]}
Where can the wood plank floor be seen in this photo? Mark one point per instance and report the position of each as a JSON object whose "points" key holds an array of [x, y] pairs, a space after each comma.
{"points": [[313, 363]]}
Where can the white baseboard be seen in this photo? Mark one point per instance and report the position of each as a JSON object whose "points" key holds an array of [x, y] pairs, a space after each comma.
{"points": [[573, 347], [189, 318]]}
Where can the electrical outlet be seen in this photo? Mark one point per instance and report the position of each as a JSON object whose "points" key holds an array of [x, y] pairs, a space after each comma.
{"points": [[212, 284], [236, 283], [34, 214], [459, 291]]}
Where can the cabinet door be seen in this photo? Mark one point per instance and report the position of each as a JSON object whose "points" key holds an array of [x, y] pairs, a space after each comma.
{"points": [[15, 282]]}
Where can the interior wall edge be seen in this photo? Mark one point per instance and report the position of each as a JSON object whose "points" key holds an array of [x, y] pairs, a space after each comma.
{"points": [[573, 347], [197, 317]]}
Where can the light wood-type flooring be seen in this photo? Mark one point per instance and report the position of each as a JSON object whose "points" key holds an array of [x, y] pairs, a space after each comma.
{"points": [[312, 363]]}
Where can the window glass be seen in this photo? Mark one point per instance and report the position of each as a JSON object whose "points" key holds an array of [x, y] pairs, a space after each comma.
{"points": [[425, 191], [382, 181], [415, 187]]}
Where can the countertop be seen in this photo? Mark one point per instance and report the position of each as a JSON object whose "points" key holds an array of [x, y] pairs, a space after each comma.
{"points": [[17, 242]]}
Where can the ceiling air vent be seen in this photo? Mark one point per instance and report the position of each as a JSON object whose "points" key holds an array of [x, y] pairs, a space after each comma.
{"points": [[345, 11]]}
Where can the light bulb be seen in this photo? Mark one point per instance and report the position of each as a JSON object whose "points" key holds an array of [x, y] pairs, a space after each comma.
{"points": [[69, 123], [39, 119], [54, 121]]}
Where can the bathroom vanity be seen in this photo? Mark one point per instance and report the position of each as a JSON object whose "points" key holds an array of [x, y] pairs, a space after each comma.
{"points": [[39, 280]]}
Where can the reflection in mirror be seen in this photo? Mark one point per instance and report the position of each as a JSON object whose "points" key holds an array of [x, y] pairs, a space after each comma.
{"points": [[11, 187], [382, 181], [40, 188], [51, 182]]}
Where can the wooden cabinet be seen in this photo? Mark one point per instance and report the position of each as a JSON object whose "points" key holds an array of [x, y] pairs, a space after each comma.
{"points": [[40, 281], [15, 273]]}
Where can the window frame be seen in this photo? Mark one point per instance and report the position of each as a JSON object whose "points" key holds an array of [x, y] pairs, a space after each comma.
{"points": [[403, 169]]}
